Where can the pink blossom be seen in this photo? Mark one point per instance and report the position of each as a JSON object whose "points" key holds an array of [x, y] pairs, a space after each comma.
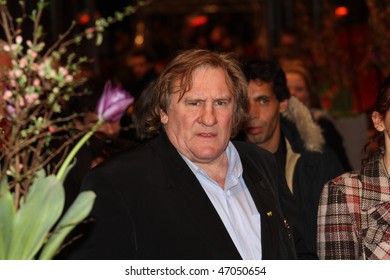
{"points": [[32, 54], [41, 66], [7, 94], [34, 66], [30, 98], [52, 129], [6, 48], [69, 78], [90, 30], [21, 102], [18, 73], [23, 62], [36, 82], [19, 39], [63, 71], [13, 83]]}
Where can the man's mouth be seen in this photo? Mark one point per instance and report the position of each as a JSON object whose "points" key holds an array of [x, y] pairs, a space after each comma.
{"points": [[254, 129]]}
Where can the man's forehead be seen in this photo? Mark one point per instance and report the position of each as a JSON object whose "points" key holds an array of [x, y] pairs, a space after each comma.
{"points": [[262, 88]]}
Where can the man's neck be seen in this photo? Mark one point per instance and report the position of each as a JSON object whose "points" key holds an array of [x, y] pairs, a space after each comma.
{"points": [[272, 144], [217, 170]]}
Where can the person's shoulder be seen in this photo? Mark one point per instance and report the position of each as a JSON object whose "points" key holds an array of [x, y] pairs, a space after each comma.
{"points": [[326, 154], [254, 154], [250, 149], [134, 164], [325, 163], [134, 157], [345, 181]]}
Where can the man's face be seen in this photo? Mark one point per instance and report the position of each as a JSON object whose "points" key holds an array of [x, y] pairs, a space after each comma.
{"points": [[264, 126], [200, 124], [139, 66]]}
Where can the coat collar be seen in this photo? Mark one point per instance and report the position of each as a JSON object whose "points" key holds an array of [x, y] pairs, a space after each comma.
{"points": [[184, 184], [188, 192], [303, 127]]}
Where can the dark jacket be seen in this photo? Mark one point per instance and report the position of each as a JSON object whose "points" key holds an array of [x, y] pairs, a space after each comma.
{"points": [[309, 164], [333, 138], [150, 205], [96, 150]]}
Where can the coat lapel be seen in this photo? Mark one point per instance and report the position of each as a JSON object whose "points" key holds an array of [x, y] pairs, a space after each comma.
{"points": [[263, 199], [197, 207]]}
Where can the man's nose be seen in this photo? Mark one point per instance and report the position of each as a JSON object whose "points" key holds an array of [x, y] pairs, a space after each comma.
{"points": [[208, 116], [254, 110]]}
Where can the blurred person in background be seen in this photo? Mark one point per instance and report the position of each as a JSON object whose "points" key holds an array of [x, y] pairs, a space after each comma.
{"points": [[140, 113], [138, 71], [103, 144], [300, 85], [135, 75]]}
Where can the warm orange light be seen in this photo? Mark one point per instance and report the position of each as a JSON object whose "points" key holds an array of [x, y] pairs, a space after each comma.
{"points": [[198, 21], [84, 19], [341, 11]]}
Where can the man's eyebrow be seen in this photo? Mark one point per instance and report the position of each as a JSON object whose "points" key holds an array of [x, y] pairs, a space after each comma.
{"points": [[263, 97]]}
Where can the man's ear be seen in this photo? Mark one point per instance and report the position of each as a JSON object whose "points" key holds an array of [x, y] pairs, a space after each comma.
{"points": [[283, 105], [377, 120], [163, 117]]}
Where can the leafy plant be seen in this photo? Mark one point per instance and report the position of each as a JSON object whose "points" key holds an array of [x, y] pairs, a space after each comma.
{"points": [[37, 81]]}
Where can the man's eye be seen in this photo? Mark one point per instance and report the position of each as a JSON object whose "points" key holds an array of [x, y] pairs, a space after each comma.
{"points": [[193, 103], [221, 102], [299, 89], [263, 101]]}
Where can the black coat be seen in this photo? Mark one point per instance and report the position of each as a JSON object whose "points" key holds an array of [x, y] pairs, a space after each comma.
{"points": [[150, 205], [311, 172]]}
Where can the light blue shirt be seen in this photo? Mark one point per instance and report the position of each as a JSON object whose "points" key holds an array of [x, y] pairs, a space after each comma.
{"points": [[234, 205]]}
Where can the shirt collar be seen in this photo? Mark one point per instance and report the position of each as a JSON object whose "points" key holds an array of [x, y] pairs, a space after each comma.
{"points": [[234, 169]]}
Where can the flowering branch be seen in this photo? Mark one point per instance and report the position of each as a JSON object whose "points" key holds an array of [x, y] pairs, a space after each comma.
{"points": [[37, 86], [37, 83]]}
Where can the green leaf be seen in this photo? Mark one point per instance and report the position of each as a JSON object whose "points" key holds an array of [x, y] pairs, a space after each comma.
{"points": [[119, 16], [40, 6], [7, 214], [37, 217], [99, 39], [78, 211], [77, 39], [33, 15], [38, 33]]}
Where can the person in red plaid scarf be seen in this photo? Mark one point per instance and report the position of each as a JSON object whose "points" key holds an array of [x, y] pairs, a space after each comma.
{"points": [[354, 209]]}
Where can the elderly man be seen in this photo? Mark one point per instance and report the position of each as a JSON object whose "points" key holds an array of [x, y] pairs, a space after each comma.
{"points": [[190, 193]]}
